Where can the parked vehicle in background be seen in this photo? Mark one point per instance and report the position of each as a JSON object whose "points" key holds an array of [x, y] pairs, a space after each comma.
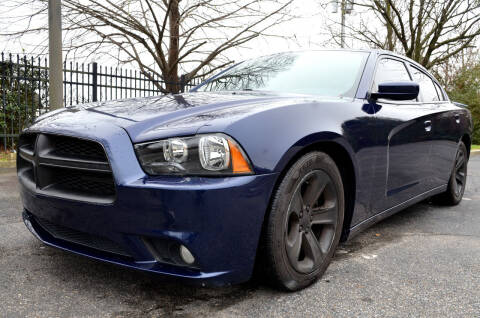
{"points": [[271, 162]]}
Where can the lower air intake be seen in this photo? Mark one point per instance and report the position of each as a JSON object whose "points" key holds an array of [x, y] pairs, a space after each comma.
{"points": [[81, 238]]}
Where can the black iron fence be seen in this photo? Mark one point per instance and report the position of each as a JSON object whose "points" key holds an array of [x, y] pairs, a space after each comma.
{"points": [[24, 89]]}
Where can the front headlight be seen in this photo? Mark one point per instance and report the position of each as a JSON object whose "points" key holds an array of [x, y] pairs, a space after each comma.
{"points": [[212, 154]]}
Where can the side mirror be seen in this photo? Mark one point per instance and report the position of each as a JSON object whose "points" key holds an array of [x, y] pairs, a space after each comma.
{"points": [[396, 91]]}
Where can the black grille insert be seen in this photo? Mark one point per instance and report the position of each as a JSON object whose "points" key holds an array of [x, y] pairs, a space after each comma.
{"points": [[76, 148], [65, 167], [85, 182], [73, 236]]}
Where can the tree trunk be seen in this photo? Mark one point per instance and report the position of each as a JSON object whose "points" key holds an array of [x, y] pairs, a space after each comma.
{"points": [[390, 39], [171, 76]]}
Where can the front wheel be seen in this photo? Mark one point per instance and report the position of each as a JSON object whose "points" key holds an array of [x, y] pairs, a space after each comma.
{"points": [[305, 222], [458, 179]]}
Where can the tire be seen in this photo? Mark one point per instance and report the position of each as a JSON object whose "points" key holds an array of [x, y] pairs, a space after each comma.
{"points": [[458, 179], [305, 222]]}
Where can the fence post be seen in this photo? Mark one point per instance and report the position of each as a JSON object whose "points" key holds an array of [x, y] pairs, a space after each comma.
{"points": [[182, 83], [94, 82]]}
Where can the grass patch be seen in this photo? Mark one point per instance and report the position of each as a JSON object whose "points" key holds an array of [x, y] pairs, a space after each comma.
{"points": [[475, 147]]}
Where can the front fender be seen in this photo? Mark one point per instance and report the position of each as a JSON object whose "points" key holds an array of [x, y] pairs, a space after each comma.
{"points": [[310, 141], [273, 136]]}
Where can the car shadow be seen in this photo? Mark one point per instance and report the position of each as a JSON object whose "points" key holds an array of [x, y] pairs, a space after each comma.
{"points": [[386, 231], [143, 294]]}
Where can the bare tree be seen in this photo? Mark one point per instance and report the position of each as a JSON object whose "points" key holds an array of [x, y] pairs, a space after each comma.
{"points": [[163, 37], [428, 31]]}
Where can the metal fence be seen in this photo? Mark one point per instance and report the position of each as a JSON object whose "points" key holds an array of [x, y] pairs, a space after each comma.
{"points": [[24, 89]]}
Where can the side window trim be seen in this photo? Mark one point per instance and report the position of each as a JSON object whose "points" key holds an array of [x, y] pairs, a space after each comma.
{"points": [[441, 92], [440, 97]]}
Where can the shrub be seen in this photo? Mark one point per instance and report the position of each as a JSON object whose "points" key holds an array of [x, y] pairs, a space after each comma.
{"points": [[465, 89], [22, 96]]}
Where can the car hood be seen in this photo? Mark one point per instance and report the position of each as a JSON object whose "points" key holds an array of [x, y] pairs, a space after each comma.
{"points": [[164, 116]]}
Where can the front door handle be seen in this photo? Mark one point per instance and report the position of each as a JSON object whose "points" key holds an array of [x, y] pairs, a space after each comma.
{"points": [[457, 118], [428, 125]]}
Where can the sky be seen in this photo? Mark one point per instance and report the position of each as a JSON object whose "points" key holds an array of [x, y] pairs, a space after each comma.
{"points": [[306, 31]]}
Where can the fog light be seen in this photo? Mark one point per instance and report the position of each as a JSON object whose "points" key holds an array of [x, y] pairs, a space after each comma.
{"points": [[187, 257]]}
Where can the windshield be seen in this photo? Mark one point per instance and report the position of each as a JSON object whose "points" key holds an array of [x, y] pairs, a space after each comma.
{"points": [[326, 73]]}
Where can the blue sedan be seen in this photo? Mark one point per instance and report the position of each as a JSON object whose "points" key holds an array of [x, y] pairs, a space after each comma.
{"points": [[268, 165]]}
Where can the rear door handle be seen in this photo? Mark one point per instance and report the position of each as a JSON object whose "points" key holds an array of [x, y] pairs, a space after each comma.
{"points": [[428, 125], [457, 118]]}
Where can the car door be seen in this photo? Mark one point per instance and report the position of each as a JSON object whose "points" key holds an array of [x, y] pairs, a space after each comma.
{"points": [[445, 127], [405, 136]]}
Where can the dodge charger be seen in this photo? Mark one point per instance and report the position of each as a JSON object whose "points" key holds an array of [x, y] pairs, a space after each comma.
{"points": [[268, 166]]}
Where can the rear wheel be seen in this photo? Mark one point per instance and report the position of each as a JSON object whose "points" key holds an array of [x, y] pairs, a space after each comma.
{"points": [[458, 179], [305, 222]]}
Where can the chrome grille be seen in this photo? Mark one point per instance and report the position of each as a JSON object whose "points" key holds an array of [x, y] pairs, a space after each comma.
{"points": [[65, 167]]}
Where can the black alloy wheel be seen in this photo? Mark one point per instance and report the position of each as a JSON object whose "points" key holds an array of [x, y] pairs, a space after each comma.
{"points": [[311, 221], [460, 172], [458, 179], [304, 224]]}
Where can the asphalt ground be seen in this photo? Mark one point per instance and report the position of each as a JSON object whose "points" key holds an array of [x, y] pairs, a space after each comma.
{"points": [[421, 262]]}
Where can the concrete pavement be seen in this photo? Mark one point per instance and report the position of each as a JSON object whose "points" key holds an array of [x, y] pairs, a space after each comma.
{"points": [[421, 262]]}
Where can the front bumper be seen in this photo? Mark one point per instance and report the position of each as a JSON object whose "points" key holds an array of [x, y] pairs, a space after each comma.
{"points": [[218, 219]]}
